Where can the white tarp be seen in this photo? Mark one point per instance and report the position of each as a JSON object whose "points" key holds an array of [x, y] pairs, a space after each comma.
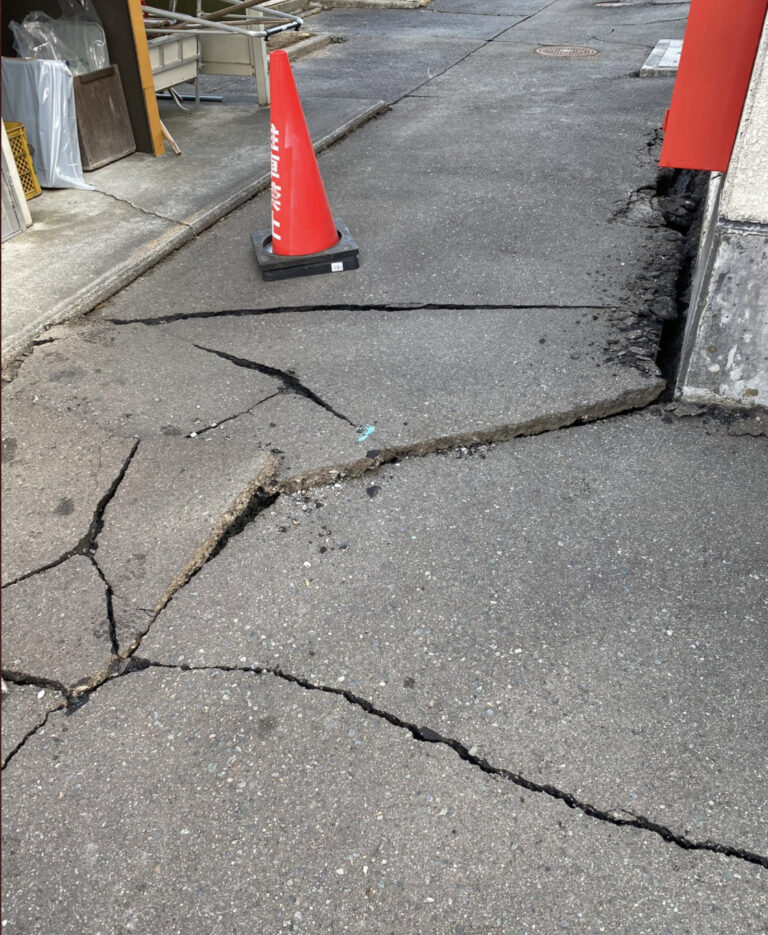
{"points": [[40, 94]]}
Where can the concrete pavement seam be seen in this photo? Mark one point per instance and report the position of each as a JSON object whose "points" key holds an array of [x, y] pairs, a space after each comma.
{"points": [[634, 45], [463, 58], [525, 19], [468, 13], [477, 48], [653, 22], [151, 214]]}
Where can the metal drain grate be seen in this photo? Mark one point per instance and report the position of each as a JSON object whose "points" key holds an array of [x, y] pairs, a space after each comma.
{"points": [[566, 51]]}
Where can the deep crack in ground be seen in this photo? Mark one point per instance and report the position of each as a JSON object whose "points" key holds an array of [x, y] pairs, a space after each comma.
{"points": [[354, 307], [108, 597], [425, 734], [132, 663], [289, 381], [88, 543], [264, 497], [31, 733]]}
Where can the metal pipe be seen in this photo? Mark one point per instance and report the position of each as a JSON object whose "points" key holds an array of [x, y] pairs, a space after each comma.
{"points": [[204, 98], [208, 25], [182, 30], [243, 5]]}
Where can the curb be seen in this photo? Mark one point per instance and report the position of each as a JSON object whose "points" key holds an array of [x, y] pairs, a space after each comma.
{"points": [[310, 44], [373, 4]]}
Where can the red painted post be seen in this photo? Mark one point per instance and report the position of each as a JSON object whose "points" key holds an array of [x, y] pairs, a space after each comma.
{"points": [[716, 62]]}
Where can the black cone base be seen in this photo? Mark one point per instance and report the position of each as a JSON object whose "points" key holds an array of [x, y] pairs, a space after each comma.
{"points": [[341, 256]]}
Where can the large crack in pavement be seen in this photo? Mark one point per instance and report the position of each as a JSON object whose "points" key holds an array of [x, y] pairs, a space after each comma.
{"points": [[30, 733], [290, 382], [425, 734], [628, 401], [259, 498], [262, 499], [353, 307], [254, 497], [131, 662], [261, 495], [108, 597], [264, 495], [88, 542], [228, 524], [246, 504]]}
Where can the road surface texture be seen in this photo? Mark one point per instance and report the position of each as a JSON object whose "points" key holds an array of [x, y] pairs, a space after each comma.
{"points": [[399, 600]]}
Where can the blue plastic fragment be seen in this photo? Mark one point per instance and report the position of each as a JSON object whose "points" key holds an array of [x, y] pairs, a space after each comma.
{"points": [[367, 432]]}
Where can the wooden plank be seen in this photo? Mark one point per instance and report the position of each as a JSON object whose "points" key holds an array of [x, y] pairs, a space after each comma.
{"points": [[126, 43], [103, 123], [145, 74]]}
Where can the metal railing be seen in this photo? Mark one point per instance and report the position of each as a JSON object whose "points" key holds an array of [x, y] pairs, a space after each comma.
{"points": [[169, 22]]}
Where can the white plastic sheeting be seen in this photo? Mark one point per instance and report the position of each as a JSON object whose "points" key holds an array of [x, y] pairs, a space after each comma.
{"points": [[40, 95], [74, 40]]}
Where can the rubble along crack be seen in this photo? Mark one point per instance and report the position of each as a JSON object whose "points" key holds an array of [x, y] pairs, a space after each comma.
{"points": [[374, 461]]}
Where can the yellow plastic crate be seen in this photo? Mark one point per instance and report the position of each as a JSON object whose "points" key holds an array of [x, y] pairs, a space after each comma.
{"points": [[18, 140]]}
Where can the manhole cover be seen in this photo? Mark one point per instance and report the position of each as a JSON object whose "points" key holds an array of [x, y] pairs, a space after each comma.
{"points": [[566, 51]]}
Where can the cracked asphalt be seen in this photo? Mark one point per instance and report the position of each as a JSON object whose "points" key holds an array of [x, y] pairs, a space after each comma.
{"points": [[404, 599]]}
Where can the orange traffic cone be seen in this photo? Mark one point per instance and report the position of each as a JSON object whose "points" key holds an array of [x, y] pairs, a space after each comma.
{"points": [[305, 238]]}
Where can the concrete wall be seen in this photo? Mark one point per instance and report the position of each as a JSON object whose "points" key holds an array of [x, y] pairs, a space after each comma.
{"points": [[725, 351]]}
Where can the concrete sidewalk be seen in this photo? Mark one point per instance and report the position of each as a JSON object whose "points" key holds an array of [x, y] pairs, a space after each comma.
{"points": [[398, 600], [85, 246]]}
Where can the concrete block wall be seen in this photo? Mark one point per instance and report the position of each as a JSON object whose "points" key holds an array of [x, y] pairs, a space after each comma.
{"points": [[725, 350]]}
